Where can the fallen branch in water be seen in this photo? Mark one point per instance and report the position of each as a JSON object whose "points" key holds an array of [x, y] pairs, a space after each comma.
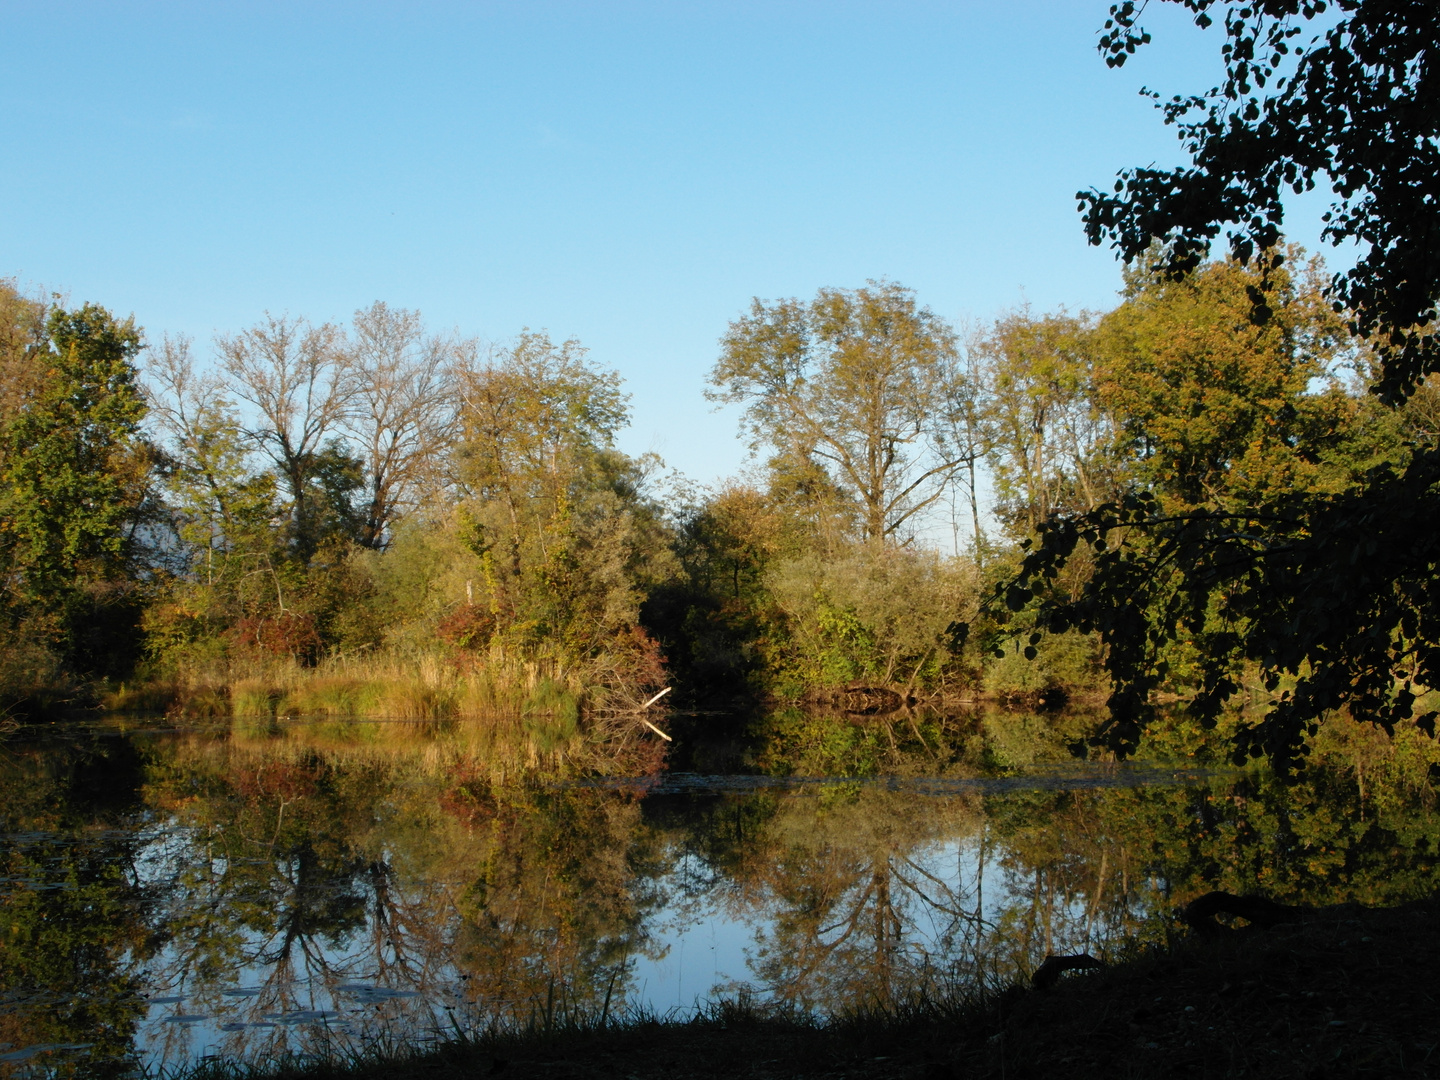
{"points": [[656, 698]]}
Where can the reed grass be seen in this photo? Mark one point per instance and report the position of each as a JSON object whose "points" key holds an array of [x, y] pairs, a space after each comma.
{"points": [[491, 722], [380, 686], [555, 1026], [499, 716]]}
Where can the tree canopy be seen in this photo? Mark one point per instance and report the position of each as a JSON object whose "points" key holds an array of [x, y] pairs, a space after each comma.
{"points": [[1357, 107], [855, 386], [76, 480], [1328, 588]]}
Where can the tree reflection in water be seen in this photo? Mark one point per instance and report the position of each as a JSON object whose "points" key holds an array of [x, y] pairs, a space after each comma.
{"points": [[76, 923], [275, 891], [385, 888], [863, 897]]}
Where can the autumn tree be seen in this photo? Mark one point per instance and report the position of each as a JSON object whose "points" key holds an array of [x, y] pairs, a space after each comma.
{"points": [[224, 504], [23, 345], [1047, 435], [552, 508], [968, 432], [850, 390], [1213, 409], [224, 509], [297, 379]]}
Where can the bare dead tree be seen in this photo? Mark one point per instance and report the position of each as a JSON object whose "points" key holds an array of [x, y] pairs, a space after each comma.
{"points": [[298, 378], [190, 409], [402, 415]]}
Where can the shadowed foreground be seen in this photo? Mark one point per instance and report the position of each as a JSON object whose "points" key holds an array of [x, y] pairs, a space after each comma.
{"points": [[1345, 992]]}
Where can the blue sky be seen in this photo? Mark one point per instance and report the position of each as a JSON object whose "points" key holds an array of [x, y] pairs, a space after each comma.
{"points": [[629, 174]]}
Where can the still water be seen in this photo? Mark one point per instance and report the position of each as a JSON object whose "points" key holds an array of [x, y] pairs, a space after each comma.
{"points": [[166, 895]]}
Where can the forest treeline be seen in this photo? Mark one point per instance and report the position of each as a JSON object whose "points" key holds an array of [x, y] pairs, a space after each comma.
{"points": [[379, 518]]}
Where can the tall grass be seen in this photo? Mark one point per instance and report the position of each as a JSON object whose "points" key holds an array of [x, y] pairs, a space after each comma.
{"points": [[499, 715], [593, 1034], [378, 686]]}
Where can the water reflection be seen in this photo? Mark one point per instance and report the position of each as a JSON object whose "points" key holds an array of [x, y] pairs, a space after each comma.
{"points": [[170, 894]]}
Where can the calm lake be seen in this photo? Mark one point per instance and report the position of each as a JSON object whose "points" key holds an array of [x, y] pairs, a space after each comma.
{"points": [[171, 894]]}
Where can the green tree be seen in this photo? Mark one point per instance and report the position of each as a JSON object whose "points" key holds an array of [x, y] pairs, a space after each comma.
{"points": [[856, 617], [77, 488], [1048, 436], [554, 512], [714, 617], [1212, 409]]}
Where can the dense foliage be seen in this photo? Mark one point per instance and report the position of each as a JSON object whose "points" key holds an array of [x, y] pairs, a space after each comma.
{"points": [[77, 495], [380, 520], [1320, 576]]}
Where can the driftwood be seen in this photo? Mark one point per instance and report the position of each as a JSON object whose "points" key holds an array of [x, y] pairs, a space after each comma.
{"points": [[657, 697], [1258, 911], [1050, 971]]}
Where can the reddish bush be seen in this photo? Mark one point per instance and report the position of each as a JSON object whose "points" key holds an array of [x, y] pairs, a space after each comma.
{"points": [[468, 627], [469, 803], [287, 634], [641, 661], [279, 780]]}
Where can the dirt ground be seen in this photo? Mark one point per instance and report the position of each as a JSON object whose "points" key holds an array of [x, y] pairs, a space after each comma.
{"points": [[1345, 993]]}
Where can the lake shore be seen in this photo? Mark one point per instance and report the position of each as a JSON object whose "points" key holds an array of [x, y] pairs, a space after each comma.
{"points": [[1345, 992]]}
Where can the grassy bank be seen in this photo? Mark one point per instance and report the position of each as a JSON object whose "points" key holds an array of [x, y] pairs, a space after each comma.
{"points": [[1344, 993], [386, 686]]}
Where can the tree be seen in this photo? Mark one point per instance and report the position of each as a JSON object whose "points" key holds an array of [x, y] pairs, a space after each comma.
{"points": [[402, 414], [1211, 409], [23, 344], [533, 415], [1047, 433], [223, 505], [76, 494], [1357, 106], [298, 378], [968, 432], [252, 575], [552, 509], [856, 383], [1332, 591]]}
